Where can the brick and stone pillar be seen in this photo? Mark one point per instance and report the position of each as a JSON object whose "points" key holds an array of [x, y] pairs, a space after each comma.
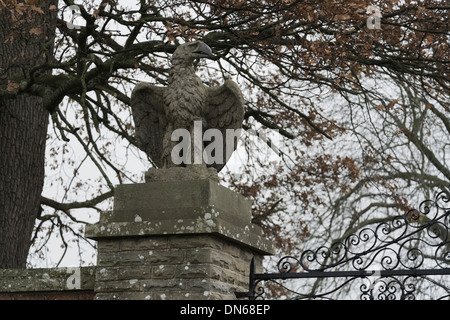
{"points": [[177, 239]]}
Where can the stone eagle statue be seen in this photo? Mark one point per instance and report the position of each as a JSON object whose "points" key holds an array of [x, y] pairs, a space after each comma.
{"points": [[158, 111]]}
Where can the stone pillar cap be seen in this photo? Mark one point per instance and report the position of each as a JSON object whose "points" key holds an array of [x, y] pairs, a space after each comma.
{"points": [[180, 207]]}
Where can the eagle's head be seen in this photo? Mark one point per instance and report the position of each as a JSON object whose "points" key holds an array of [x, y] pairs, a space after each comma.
{"points": [[190, 51]]}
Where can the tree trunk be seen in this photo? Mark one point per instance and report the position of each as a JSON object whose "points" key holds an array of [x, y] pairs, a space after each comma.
{"points": [[23, 130]]}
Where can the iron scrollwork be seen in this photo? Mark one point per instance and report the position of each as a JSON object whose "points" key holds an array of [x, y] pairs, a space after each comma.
{"points": [[391, 260]]}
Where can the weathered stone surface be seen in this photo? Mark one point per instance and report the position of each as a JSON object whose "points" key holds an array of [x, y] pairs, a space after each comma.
{"points": [[49, 295], [194, 172], [174, 200], [180, 207], [143, 243], [184, 267], [44, 280]]}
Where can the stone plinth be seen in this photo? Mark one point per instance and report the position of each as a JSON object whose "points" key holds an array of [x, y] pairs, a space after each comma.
{"points": [[187, 239]]}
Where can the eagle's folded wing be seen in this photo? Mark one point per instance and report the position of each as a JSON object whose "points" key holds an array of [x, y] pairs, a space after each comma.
{"points": [[147, 106], [226, 111]]}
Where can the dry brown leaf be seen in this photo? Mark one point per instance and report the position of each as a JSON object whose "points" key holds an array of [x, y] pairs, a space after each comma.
{"points": [[36, 31], [12, 86]]}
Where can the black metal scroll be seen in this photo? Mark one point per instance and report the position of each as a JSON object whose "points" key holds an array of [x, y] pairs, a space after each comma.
{"points": [[394, 260]]}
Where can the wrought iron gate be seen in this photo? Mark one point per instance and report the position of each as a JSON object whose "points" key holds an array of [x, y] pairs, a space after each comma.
{"points": [[400, 258]]}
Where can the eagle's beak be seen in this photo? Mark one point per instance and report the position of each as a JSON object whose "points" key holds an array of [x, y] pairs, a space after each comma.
{"points": [[203, 51]]}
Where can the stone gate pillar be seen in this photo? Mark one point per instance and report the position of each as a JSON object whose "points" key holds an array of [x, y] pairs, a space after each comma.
{"points": [[178, 239]]}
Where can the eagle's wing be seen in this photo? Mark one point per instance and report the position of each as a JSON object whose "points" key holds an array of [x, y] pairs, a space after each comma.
{"points": [[147, 106], [226, 111]]}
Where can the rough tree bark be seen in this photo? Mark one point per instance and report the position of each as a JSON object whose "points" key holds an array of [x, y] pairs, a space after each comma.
{"points": [[23, 128]]}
